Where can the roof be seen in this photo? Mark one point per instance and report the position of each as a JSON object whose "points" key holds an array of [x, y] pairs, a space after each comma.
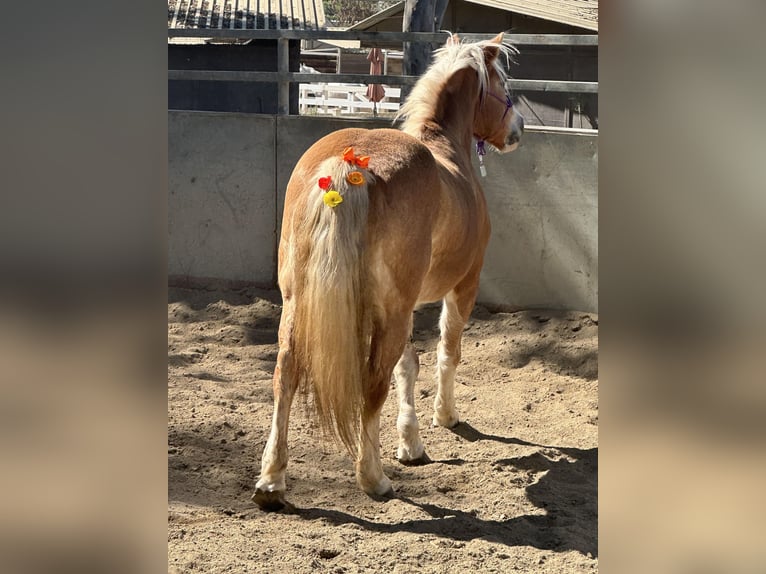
{"points": [[378, 17], [247, 14], [580, 13]]}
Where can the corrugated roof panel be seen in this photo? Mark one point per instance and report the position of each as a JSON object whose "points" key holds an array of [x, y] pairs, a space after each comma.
{"points": [[581, 13], [378, 17], [247, 14]]}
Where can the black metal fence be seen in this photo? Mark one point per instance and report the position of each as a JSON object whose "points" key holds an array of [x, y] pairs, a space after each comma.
{"points": [[283, 77]]}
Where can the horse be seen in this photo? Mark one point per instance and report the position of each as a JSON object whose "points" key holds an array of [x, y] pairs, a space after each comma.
{"points": [[375, 223]]}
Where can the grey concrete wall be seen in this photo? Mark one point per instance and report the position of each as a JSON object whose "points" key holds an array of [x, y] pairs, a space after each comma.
{"points": [[221, 196], [543, 201], [228, 175]]}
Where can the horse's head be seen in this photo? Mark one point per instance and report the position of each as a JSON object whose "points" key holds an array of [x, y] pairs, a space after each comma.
{"points": [[496, 121], [460, 75]]}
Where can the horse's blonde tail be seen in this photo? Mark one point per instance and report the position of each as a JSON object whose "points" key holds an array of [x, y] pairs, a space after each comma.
{"points": [[332, 327]]}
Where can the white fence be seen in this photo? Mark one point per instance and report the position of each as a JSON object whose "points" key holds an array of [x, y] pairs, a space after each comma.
{"points": [[344, 99]]}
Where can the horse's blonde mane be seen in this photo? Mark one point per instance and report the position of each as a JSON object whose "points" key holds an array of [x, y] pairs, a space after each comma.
{"points": [[448, 59]]}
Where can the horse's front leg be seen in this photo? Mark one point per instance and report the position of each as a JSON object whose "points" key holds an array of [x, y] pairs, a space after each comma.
{"points": [[456, 309], [270, 488]]}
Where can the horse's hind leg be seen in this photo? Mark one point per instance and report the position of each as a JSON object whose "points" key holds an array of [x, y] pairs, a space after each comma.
{"points": [[386, 347], [270, 488], [456, 310], [406, 373]]}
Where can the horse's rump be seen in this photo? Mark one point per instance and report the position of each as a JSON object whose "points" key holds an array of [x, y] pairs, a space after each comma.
{"points": [[344, 265]]}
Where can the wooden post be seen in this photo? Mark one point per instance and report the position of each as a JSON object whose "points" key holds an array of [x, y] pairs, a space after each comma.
{"points": [[283, 67], [419, 16]]}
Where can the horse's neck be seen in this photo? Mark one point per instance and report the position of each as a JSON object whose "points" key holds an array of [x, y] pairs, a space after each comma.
{"points": [[452, 149], [449, 131]]}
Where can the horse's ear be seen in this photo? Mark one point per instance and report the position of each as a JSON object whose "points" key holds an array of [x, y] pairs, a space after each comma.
{"points": [[493, 48], [454, 39]]}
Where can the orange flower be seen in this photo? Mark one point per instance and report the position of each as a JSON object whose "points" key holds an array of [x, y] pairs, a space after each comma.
{"points": [[332, 198], [361, 161], [355, 178]]}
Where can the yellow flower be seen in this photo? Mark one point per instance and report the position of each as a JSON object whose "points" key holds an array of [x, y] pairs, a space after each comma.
{"points": [[355, 178], [332, 198]]}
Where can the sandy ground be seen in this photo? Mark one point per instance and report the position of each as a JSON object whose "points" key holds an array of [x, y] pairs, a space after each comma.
{"points": [[511, 488]]}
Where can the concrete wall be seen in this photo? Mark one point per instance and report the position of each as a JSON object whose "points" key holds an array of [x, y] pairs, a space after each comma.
{"points": [[543, 201], [228, 174], [221, 196]]}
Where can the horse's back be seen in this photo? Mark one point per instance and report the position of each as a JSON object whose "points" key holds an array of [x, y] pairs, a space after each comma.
{"points": [[392, 152], [404, 170]]}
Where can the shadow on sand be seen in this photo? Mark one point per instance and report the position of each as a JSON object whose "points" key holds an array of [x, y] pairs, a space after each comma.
{"points": [[567, 492]]}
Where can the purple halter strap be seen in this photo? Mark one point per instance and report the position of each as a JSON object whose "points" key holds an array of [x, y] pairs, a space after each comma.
{"points": [[480, 150], [507, 101]]}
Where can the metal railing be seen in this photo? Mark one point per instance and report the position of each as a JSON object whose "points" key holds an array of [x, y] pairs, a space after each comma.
{"points": [[283, 76]]}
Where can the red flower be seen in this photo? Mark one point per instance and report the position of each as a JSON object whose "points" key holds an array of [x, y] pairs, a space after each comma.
{"points": [[325, 182]]}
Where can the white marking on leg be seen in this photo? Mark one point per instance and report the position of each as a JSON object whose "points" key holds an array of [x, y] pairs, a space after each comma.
{"points": [[274, 459], [445, 413], [447, 356], [406, 373], [369, 470]]}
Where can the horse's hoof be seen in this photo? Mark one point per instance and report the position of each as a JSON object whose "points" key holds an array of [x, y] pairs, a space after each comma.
{"points": [[419, 461], [449, 421], [389, 493], [407, 455], [384, 496], [270, 501], [380, 490]]}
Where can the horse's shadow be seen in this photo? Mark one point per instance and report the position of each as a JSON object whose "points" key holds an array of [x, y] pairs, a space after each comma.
{"points": [[471, 434], [567, 492], [564, 491]]}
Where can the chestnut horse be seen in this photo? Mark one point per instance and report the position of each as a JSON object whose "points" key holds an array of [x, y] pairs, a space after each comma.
{"points": [[375, 223]]}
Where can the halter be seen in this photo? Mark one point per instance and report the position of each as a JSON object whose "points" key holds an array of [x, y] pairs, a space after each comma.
{"points": [[480, 151], [507, 101]]}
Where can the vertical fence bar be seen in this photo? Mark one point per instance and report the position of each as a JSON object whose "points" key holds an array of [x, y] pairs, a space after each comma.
{"points": [[283, 67]]}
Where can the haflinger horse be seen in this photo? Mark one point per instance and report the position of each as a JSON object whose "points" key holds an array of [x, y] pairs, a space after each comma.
{"points": [[375, 223]]}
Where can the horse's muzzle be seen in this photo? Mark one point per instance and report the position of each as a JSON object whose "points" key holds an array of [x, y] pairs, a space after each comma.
{"points": [[517, 128]]}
